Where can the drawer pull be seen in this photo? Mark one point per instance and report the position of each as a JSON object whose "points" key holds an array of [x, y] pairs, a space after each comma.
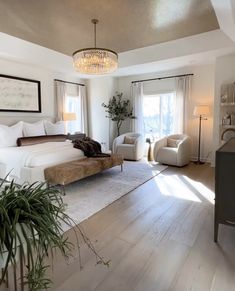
{"points": [[231, 222]]}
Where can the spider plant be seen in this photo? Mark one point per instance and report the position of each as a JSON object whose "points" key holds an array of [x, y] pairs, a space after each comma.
{"points": [[31, 219]]}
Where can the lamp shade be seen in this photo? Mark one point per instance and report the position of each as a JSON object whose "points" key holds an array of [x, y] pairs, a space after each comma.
{"points": [[203, 110], [69, 116]]}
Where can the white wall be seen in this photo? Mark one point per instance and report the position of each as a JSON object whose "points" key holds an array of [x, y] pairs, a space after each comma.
{"points": [[202, 93], [224, 74], [100, 90], [45, 76]]}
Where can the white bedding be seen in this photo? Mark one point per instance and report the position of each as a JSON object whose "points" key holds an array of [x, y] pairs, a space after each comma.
{"points": [[50, 153]]}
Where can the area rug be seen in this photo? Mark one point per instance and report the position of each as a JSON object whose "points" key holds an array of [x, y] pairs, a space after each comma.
{"points": [[88, 196]]}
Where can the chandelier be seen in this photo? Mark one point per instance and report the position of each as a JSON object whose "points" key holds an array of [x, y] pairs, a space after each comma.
{"points": [[95, 60]]}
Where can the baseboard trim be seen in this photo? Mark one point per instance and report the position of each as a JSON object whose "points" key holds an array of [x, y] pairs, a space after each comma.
{"points": [[204, 160]]}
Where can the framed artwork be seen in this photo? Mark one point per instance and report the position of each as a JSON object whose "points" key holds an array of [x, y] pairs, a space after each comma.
{"points": [[19, 94]]}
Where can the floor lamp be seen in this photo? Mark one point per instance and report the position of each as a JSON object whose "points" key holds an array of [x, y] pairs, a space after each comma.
{"points": [[200, 111]]}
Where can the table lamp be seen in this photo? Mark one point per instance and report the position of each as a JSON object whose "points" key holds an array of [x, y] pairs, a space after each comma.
{"points": [[69, 116]]}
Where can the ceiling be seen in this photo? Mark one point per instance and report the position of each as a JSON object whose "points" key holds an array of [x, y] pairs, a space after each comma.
{"points": [[64, 25]]}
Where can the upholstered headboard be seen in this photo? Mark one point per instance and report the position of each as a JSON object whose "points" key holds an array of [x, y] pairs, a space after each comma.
{"points": [[10, 120]]}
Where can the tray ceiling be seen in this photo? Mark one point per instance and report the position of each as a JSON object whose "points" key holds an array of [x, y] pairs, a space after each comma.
{"points": [[64, 25]]}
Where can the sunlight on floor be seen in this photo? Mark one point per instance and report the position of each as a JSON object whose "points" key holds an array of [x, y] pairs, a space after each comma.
{"points": [[175, 187], [202, 189], [182, 187]]}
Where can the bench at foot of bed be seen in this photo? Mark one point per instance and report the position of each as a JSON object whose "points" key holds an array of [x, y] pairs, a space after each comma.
{"points": [[66, 173]]}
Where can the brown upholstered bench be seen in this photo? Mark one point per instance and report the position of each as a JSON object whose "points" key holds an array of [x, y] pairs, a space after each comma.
{"points": [[66, 173]]}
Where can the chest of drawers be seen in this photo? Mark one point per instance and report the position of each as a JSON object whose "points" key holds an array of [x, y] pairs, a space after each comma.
{"points": [[225, 186]]}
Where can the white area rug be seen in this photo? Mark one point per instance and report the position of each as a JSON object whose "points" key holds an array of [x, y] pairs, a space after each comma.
{"points": [[88, 196]]}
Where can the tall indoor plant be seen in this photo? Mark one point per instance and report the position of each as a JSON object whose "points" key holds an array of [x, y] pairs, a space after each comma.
{"points": [[31, 219], [118, 110]]}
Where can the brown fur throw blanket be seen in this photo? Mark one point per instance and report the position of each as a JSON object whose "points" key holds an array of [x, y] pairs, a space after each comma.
{"points": [[90, 147]]}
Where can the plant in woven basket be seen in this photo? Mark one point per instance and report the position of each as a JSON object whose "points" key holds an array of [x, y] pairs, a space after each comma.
{"points": [[31, 219], [118, 110]]}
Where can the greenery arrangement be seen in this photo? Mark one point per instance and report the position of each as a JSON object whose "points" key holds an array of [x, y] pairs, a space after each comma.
{"points": [[118, 110], [31, 219]]}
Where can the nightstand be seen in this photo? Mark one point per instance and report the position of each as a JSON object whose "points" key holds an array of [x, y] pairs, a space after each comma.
{"points": [[76, 136], [150, 149]]}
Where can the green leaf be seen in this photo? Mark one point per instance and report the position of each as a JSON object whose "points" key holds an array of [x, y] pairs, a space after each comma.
{"points": [[31, 218], [118, 110]]}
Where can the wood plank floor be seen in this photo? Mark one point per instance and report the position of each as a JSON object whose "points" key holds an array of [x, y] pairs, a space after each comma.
{"points": [[158, 237]]}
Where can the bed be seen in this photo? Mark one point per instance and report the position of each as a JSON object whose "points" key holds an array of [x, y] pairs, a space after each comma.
{"points": [[27, 163], [27, 148]]}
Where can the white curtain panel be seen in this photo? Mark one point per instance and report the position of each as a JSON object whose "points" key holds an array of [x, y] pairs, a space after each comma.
{"points": [[183, 95], [77, 91], [137, 97], [84, 113], [60, 92]]}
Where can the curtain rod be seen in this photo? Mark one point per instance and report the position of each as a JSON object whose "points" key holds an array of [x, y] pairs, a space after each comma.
{"points": [[69, 82], [161, 78]]}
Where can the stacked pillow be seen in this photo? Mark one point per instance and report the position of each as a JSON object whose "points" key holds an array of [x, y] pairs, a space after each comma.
{"points": [[31, 140], [34, 129], [10, 134], [54, 128]]}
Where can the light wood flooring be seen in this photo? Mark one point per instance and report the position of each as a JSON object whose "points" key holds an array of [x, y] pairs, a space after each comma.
{"points": [[158, 237]]}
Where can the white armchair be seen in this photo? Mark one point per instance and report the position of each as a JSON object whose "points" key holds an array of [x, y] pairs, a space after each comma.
{"points": [[130, 145], [173, 150]]}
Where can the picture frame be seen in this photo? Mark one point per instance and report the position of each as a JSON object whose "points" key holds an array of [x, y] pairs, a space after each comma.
{"points": [[19, 94]]}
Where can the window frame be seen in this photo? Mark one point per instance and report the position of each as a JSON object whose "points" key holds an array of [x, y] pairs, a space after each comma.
{"points": [[70, 124], [154, 95]]}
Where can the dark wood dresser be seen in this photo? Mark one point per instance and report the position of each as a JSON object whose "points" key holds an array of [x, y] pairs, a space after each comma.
{"points": [[225, 186]]}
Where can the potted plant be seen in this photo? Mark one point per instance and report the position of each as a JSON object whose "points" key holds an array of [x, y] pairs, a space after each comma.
{"points": [[31, 218], [118, 110]]}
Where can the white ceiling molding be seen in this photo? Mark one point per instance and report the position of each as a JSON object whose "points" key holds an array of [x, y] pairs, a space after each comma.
{"points": [[225, 13], [197, 49], [204, 42], [16, 49], [204, 58]]}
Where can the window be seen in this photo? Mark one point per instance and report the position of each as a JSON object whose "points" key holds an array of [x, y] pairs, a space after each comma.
{"points": [[158, 114], [73, 105]]}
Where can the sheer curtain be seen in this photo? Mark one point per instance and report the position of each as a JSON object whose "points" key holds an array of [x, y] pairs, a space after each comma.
{"points": [[60, 92], [72, 98], [182, 99], [83, 114], [137, 97]]}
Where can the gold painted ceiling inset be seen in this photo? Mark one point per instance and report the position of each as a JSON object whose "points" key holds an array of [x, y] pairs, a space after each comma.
{"points": [[64, 25]]}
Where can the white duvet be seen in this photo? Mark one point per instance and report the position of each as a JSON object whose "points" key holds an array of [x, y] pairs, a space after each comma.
{"points": [[49, 153]]}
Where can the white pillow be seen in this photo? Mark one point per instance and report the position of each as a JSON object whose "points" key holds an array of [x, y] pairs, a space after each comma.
{"points": [[173, 143], [129, 139], [54, 128], [34, 129], [10, 134]]}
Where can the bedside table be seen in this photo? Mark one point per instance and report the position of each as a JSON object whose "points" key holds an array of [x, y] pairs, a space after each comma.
{"points": [[76, 136], [150, 149]]}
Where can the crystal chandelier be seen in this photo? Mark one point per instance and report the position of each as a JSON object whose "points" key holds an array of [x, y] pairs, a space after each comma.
{"points": [[95, 61]]}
